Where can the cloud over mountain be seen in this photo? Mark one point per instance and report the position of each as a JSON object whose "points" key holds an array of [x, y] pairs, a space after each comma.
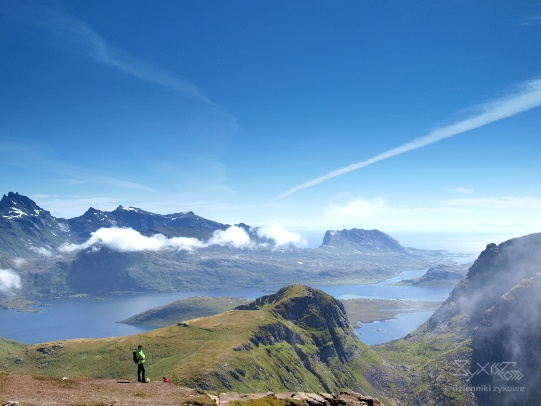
{"points": [[129, 240], [9, 281], [280, 235]]}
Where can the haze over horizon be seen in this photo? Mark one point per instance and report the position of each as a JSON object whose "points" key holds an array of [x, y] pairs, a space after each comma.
{"points": [[307, 115]]}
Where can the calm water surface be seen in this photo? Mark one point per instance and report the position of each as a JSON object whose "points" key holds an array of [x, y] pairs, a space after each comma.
{"points": [[67, 318]]}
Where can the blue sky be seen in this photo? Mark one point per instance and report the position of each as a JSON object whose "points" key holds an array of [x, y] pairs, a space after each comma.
{"points": [[418, 115]]}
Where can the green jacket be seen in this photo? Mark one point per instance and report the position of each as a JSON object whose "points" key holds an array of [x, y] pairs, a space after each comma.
{"points": [[140, 356]]}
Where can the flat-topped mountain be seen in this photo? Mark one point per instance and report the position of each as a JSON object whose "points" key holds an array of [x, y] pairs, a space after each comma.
{"points": [[356, 239]]}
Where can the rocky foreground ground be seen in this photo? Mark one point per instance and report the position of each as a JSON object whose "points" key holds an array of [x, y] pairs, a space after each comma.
{"points": [[33, 390]]}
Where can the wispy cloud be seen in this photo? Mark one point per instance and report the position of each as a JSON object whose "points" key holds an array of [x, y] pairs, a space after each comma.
{"points": [[357, 210], [82, 39], [460, 190], [530, 20], [526, 97], [521, 213], [504, 202], [28, 154]]}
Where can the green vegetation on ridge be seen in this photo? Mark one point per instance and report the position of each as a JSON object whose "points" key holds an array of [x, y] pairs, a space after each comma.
{"points": [[184, 309], [297, 339], [357, 310]]}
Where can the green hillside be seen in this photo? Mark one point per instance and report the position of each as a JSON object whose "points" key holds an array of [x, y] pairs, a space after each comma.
{"points": [[8, 347], [298, 339], [192, 307]]}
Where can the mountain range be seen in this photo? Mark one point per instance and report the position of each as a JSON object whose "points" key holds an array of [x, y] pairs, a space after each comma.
{"points": [[478, 348], [129, 249]]}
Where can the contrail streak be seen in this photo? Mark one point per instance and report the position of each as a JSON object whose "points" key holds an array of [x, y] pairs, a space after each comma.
{"points": [[83, 39], [526, 98]]}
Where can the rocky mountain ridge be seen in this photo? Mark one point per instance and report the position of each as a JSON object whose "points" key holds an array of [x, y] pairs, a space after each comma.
{"points": [[315, 311], [28, 230], [129, 249], [18, 212], [496, 271], [476, 348], [171, 225]]}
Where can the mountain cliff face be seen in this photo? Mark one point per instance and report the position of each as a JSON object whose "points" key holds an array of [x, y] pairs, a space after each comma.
{"points": [[362, 240], [505, 340], [28, 230], [497, 270], [171, 225], [477, 347], [321, 314]]}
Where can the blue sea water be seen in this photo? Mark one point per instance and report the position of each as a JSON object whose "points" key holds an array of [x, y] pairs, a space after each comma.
{"points": [[67, 318]]}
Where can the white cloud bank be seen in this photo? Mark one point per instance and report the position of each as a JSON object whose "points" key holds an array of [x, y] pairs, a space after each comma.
{"points": [[9, 281], [130, 240], [233, 236], [280, 235]]}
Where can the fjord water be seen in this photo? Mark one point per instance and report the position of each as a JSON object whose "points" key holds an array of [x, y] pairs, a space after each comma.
{"points": [[67, 318]]}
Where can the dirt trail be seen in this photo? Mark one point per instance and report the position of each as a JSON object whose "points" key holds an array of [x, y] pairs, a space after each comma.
{"points": [[32, 390]]}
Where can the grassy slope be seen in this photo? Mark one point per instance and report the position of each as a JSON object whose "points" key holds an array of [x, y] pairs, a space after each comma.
{"points": [[185, 309], [8, 346], [173, 349], [211, 353], [358, 310], [220, 353]]}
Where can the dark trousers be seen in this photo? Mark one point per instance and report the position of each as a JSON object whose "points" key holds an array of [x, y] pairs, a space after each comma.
{"points": [[140, 370]]}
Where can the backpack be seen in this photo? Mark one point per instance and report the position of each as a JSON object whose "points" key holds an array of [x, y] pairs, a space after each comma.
{"points": [[135, 359]]}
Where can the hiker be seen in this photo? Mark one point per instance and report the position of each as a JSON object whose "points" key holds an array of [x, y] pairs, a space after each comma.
{"points": [[166, 380], [140, 364]]}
